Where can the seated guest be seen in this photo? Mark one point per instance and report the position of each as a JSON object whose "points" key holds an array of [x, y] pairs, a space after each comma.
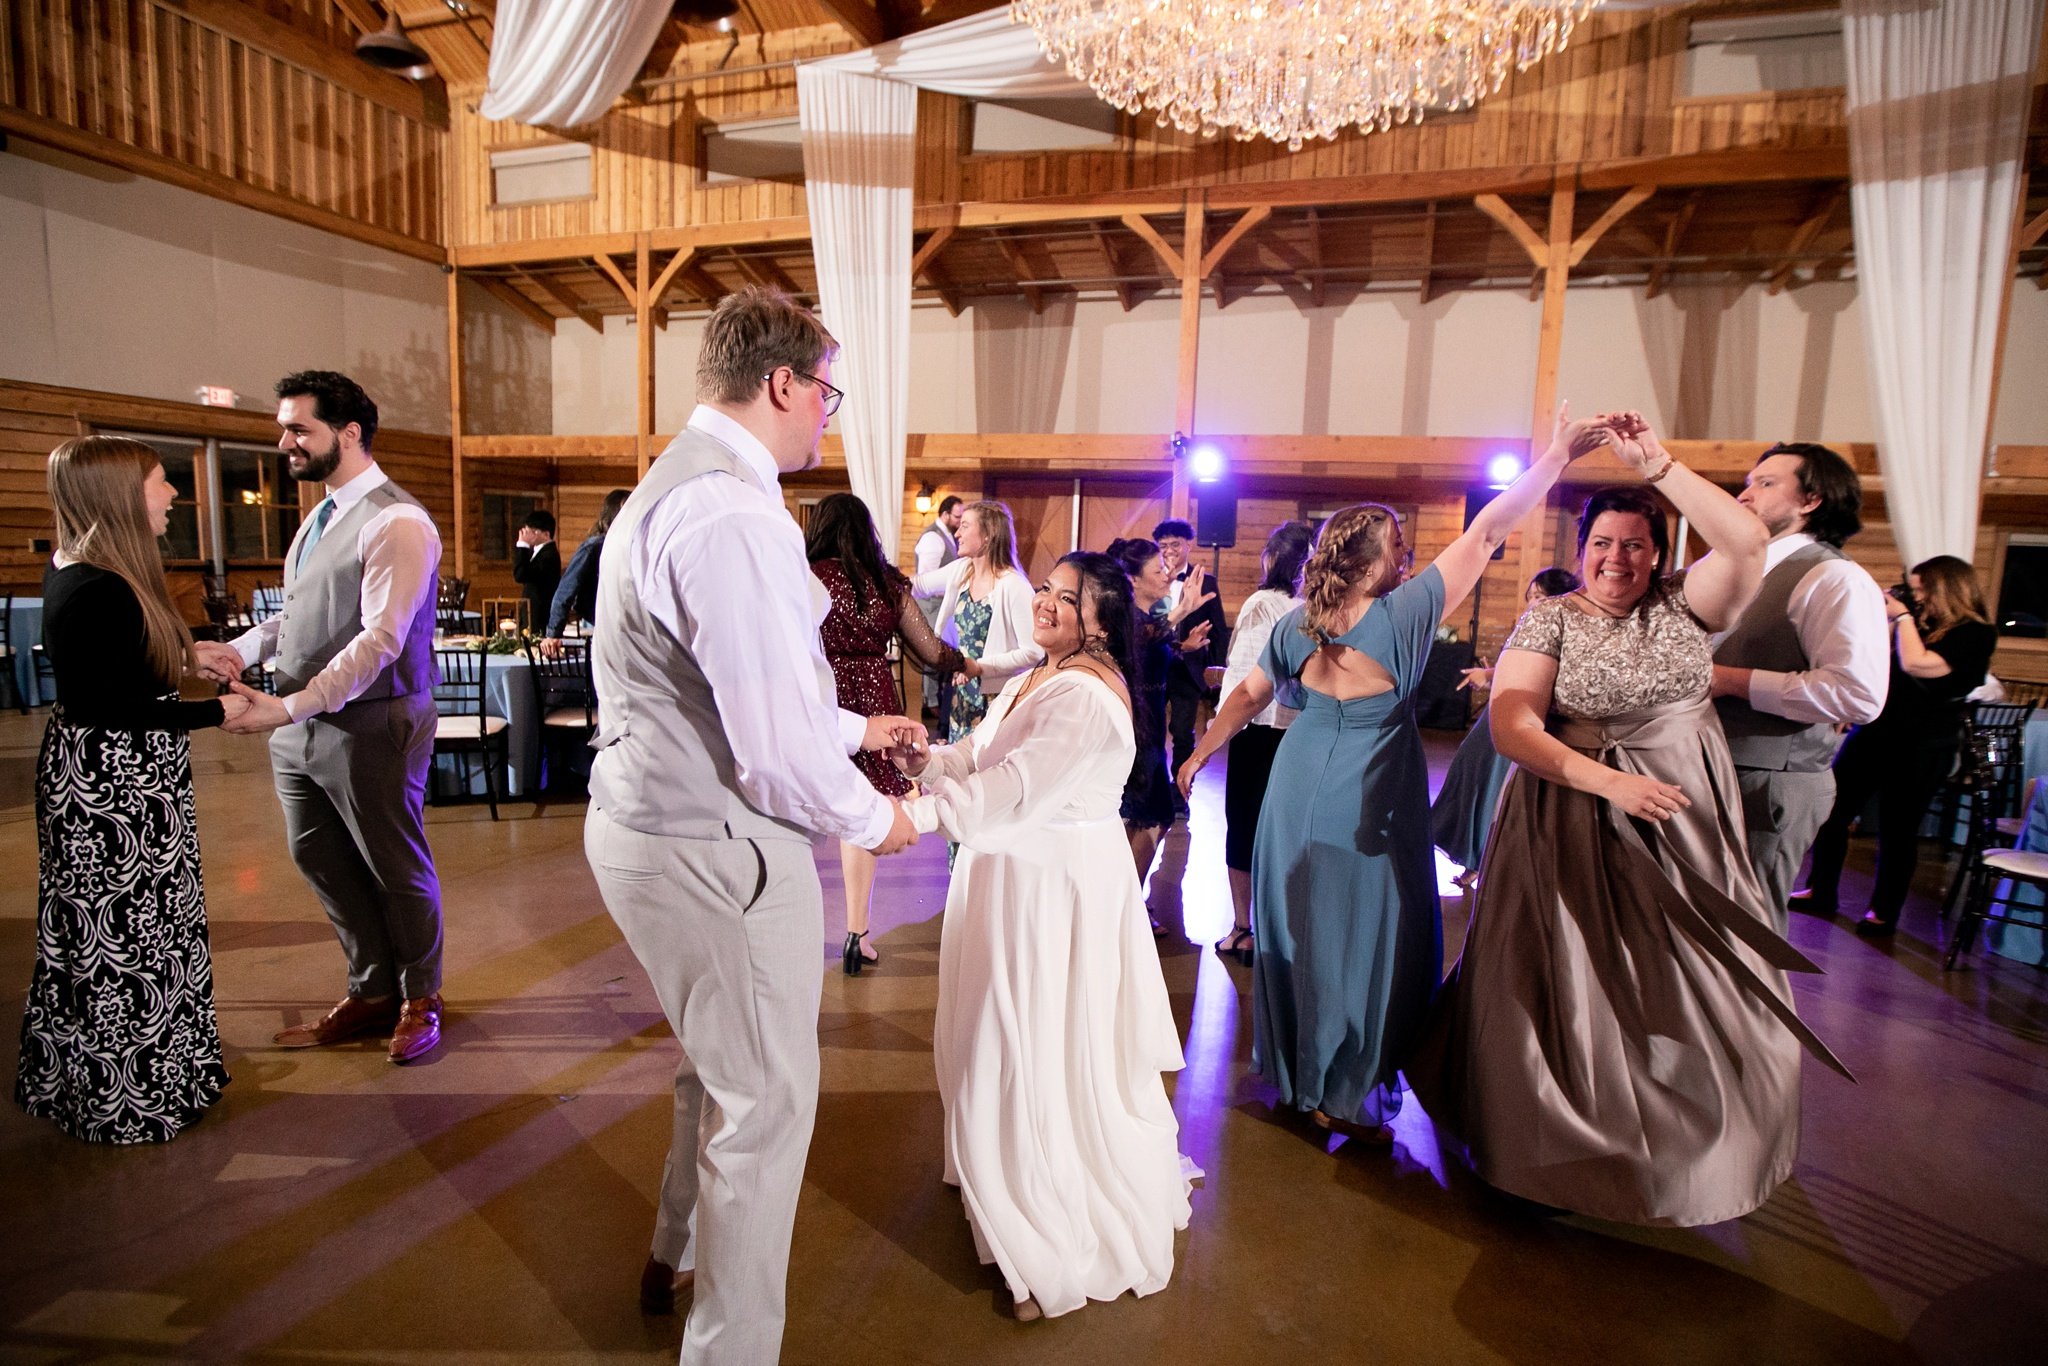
{"points": [[119, 1043], [1942, 641], [537, 565], [576, 596]]}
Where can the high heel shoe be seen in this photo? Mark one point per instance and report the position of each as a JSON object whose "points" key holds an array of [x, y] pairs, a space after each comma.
{"points": [[852, 959]]}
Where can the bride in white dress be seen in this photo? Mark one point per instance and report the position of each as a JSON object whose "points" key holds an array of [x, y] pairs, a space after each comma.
{"points": [[1053, 1022]]}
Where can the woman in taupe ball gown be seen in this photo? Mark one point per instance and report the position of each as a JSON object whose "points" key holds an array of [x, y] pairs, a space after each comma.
{"points": [[1619, 1039]]}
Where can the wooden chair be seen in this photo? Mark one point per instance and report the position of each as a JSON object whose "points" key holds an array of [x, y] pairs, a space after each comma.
{"points": [[464, 727], [454, 595], [565, 700]]}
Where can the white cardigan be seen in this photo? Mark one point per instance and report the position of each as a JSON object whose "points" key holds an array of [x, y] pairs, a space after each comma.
{"points": [[1009, 650]]}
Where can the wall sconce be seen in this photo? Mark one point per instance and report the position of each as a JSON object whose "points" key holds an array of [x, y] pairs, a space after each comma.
{"points": [[923, 502]]}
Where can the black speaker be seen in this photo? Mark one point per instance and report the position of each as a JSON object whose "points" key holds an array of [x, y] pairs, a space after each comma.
{"points": [[1215, 515], [1475, 499]]}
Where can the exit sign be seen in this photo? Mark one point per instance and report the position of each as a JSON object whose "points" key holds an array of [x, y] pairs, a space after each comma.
{"points": [[218, 396]]}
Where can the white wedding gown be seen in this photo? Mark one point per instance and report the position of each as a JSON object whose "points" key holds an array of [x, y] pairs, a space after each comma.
{"points": [[1053, 1022]]}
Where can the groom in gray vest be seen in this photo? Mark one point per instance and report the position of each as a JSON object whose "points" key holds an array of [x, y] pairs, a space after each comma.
{"points": [[353, 719], [1809, 656], [720, 751]]}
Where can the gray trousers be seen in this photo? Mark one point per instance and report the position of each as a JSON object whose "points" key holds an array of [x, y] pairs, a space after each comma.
{"points": [[353, 785], [729, 932], [1781, 813]]}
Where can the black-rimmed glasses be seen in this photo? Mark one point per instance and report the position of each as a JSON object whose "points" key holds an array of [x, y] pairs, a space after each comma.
{"points": [[834, 395]]}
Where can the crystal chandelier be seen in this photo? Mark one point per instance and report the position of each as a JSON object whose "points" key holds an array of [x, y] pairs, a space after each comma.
{"points": [[1290, 70]]}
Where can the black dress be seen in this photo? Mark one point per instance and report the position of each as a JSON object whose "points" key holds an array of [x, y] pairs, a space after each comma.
{"points": [[1149, 793], [119, 1042]]}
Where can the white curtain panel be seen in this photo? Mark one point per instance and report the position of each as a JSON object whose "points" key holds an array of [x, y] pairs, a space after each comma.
{"points": [[1938, 97], [860, 154], [564, 62], [984, 57]]}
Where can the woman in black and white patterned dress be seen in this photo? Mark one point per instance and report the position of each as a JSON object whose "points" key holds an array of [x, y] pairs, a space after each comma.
{"points": [[118, 1043]]}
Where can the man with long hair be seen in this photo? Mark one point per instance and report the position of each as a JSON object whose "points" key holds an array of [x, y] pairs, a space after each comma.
{"points": [[721, 749], [1807, 657], [353, 719]]}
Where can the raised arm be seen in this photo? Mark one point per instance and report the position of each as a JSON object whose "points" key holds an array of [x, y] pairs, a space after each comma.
{"points": [[1721, 584], [1523, 684], [933, 656], [1246, 700], [1465, 559]]}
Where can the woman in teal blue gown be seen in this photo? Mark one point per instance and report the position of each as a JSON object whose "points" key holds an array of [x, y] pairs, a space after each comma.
{"points": [[1344, 882]]}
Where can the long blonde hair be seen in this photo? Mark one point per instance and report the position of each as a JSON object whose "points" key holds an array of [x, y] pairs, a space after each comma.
{"points": [[96, 489], [1949, 595], [1351, 542], [998, 533]]}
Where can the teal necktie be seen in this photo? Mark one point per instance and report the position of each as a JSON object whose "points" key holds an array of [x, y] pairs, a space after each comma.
{"points": [[321, 516]]}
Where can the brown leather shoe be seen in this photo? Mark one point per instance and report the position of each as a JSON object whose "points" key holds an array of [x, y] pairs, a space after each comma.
{"points": [[351, 1018], [660, 1284], [419, 1028]]}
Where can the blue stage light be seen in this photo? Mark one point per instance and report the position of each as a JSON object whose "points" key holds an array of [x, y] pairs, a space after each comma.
{"points": [[1503, 469], [1206, 464]]}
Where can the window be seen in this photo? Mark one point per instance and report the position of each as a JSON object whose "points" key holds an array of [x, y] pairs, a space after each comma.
{"points": [[1045, 125], [2023, 588], [767, 149], [259, 503], [1754, 53], [502, 514], [236, 503], [538, 175]]}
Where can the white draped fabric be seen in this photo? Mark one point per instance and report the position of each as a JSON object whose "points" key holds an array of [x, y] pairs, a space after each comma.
{"points": [[564, 62], [858, 114], [860, 155], [1938, 97]]}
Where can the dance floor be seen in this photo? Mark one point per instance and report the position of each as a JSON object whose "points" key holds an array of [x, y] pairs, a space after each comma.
{"points": [[493, 1203]]}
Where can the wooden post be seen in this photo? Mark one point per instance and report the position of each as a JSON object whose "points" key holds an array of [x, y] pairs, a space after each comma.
{"points": [[1556, 265], [643, 315], [460, 496], [1190, 341]]}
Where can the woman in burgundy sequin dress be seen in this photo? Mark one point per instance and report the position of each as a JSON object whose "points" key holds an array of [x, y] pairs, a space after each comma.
{"points": [[871, 603]]}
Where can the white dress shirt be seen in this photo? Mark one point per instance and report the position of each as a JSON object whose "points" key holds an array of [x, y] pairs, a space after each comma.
{"points": [[400, 548], [720, 563], [932, 550], [1838, 611], [1255, 622]]}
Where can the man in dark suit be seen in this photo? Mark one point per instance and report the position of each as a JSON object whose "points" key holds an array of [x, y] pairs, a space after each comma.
{"points": [[1186, 685], [537, 566]]}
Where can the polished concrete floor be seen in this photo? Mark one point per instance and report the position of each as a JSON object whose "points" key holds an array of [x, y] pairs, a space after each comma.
{"points": [[494, 1202]]}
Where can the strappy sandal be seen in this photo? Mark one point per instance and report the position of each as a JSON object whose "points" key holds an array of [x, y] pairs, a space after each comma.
{"points": [[1237, 944]]}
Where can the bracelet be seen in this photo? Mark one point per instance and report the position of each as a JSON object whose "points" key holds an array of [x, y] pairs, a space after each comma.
{"points": [[1662, 470]]}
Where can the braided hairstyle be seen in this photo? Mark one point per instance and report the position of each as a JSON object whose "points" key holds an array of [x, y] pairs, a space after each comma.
{"points": [[1351, 544]]}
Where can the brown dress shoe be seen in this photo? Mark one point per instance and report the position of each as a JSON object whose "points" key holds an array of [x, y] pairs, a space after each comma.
{"points": [[351, 1018], [419, 1028], [660, 1284]]}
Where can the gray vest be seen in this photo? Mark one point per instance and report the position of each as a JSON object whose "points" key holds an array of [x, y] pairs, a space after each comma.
{"points": [[1764, 638], [323, 606], [663, 765]]}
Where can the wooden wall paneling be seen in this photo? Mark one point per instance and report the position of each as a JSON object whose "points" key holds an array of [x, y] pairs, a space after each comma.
{"points": [[1042, 511]]}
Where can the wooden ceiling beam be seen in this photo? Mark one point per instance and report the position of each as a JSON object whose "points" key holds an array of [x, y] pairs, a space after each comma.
{"points": [[2034, 231], [525, 307], [1425, 292], [863, 21], [363, 14], [1161, 248], [922, 259], [564, 296], [676, 264], [253, 28], [703, 282], [1781, 274], [1616, 211], [627, 288], [1673, 231], [1111, 270], [1250, 219], [1020, 268], [1317, 292], [1532, 242]]}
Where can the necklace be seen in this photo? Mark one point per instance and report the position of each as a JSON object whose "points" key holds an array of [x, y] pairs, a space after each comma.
{"points": [[1580, 594]]}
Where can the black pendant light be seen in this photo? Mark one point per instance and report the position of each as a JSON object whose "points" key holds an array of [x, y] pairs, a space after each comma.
{"points": [[392, 50]]}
